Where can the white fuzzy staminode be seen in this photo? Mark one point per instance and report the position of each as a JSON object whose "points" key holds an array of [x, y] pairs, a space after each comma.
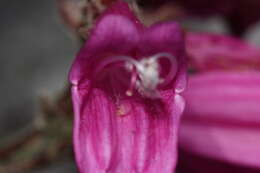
{"points": [[148, 72]]}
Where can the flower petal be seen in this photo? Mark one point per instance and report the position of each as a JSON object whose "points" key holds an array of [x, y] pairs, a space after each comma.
{"points": [[221, 119], [126, 136], [163, 37], [121, 8], [212, 51], [113, 34]]}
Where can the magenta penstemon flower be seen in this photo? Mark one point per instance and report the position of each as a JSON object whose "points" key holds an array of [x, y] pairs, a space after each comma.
{"points": [[126, 85], [222, 116]]}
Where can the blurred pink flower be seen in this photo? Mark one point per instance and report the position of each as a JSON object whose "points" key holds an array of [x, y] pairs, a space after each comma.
{"points": [[126, 82], [221, 120], [209, 52]]}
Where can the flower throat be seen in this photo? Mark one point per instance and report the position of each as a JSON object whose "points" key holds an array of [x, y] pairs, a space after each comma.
{"points": [[145, 73]]}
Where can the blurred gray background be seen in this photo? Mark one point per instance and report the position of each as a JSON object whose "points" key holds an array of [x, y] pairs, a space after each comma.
{"points": [[35, 54], [36, 51]]}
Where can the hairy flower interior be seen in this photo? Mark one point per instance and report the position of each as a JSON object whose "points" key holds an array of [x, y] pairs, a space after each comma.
{"points": [[145, 73]]}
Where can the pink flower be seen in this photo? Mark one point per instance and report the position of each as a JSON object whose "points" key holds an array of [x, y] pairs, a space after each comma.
{"points": [[222, 116], [126, 85]]}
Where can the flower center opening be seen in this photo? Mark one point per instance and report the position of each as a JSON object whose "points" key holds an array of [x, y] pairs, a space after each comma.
{"points": [[145, 73]]}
